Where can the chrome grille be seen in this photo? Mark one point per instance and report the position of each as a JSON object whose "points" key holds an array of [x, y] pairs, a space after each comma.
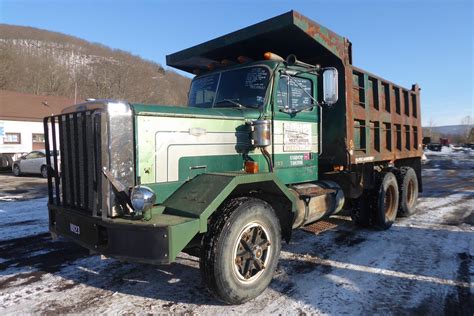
{"points": [[78, 184], [92, 137]]}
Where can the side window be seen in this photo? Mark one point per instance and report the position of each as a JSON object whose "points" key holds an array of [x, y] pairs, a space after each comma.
{"points": [[35, 154], [294, 93], [282, 92]]}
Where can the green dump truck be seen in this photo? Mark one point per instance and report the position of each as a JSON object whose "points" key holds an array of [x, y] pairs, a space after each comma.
{"points": [[280, 131]]}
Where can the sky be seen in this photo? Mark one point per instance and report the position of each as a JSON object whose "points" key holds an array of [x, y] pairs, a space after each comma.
{"points": [[404, 41]]}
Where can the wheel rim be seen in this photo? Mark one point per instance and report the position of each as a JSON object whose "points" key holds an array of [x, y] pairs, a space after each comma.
{"points": [[252, 252], [389, 202], [411, 193], [16, 170]]}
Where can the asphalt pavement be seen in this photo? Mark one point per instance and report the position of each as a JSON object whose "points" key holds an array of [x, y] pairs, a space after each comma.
{"points": [[22, 188]]}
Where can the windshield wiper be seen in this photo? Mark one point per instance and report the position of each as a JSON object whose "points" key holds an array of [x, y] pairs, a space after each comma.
{"points": [[233, 101]]}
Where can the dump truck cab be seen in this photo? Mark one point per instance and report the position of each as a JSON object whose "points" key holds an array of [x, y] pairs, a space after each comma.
{"points": [[271, 89], [280, 131]]}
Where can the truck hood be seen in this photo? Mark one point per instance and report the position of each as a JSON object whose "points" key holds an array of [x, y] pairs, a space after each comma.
{"points": [[184, 111]]}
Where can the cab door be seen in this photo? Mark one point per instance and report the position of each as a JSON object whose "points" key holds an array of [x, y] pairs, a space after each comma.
{"points": [[295, 128]]}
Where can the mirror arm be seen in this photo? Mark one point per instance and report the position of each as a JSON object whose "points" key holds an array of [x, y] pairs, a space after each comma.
{"points": [[302, 88], [314, 71]]}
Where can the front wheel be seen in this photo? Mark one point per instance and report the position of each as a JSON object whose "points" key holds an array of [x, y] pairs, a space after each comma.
{"points": [[44, 171], [16, 171], [240, 251]]}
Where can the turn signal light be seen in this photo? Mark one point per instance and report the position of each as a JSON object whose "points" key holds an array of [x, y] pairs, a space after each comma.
{"points": [[251, 167]]}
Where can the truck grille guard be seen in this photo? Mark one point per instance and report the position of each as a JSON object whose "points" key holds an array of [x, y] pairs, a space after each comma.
{"points": [[90, 137]]}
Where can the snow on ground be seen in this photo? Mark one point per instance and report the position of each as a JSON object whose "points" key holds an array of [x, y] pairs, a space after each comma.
{"points": [[23, 218], [451, 151], [422, 265]]}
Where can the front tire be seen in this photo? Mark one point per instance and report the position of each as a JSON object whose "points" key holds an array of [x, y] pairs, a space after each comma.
{"points": [[16, 171], [240, 251]]}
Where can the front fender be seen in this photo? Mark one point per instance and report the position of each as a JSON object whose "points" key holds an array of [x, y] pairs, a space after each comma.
{"points": [[201, 196]]}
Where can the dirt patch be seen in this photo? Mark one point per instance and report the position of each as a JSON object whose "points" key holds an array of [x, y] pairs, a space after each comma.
{"points": [[65, 286], [303, 266], [296, 266], [22, 188], [22, 279], [348, 238]]}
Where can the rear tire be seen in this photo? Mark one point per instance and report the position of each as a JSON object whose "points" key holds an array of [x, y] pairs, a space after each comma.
{"points": [[408, 185], [16, 171], [386, 204], [240, 251]]}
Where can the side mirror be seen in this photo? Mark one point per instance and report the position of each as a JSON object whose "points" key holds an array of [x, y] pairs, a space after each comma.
{"points": [[330, 86]]}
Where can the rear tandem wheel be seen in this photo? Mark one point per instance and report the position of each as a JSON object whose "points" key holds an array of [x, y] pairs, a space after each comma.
{"points": [[408, 185], [378, 207], [386, 202]]}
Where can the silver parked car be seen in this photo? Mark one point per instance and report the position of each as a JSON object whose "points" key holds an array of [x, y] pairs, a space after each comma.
{"points": [[33, 162]]}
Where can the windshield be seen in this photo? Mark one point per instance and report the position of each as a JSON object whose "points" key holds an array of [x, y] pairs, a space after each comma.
{"points": [[244, 87]]}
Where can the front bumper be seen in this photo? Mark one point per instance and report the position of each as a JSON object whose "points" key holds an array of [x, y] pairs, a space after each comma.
{"points": [[125, 240]]}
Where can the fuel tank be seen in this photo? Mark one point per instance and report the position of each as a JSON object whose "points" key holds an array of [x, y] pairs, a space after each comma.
{"points": [[316, 200]]}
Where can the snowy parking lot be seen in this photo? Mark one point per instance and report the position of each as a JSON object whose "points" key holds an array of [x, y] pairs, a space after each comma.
{"points": [[422, 265]]}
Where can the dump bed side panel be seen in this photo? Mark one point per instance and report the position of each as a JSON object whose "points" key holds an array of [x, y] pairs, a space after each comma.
{"points": [[383, 121]]}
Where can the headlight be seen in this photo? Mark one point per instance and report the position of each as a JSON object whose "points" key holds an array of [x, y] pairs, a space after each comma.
{"points": [[142, 199]]}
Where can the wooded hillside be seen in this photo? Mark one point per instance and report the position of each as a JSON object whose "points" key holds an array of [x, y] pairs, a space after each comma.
{"points": [[42, 62]]}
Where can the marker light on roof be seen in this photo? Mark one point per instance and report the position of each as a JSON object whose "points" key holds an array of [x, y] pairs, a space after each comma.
{"points": [[272, 56]]}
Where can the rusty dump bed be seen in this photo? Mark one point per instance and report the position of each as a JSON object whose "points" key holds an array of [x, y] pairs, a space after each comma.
{"points": [[382, 119], [374, 119]]}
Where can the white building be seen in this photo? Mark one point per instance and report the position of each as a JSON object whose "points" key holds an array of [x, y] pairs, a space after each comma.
{"points": [[21, 122]]}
